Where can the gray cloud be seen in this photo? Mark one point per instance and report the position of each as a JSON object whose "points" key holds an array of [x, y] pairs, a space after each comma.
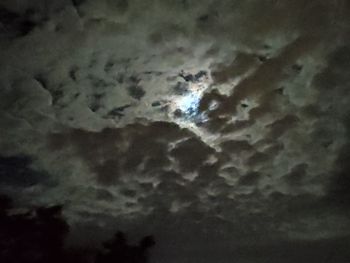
{"points": [[226, 119]]}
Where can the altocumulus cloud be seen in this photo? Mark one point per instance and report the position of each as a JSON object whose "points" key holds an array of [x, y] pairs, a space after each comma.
{"points": [[222, 123]]}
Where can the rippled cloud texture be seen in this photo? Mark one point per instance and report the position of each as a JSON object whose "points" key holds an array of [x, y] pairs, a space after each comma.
{"points": [[223, 124]]}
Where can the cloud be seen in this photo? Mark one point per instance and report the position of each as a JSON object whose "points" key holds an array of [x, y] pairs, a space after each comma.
{"points": [[199, 114], [15, 172]]}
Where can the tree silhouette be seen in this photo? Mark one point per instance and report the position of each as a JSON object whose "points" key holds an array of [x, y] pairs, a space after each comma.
{"points": [[37, 236], [33, 237], [117, 250]]}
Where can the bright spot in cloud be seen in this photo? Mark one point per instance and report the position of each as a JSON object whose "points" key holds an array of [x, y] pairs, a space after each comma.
{"points": [[189, 103]]}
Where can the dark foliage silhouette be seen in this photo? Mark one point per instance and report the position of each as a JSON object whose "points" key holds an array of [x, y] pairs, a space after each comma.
{"points": [[37, 236], [118, 250], [33, 237]]}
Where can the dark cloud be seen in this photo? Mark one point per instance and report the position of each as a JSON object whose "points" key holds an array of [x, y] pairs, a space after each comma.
{"points": [[16, 172], [250, 179], [279, 127], [223, 124], [333, 85], [237, 147], [114, 153], [105, 195], [339, 186], [15, 25], [240, 65], [264, 80], [297, 175], [191, 154]]}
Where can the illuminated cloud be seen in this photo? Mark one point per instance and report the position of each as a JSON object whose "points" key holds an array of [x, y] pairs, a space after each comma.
{"points": [[201, 114]]}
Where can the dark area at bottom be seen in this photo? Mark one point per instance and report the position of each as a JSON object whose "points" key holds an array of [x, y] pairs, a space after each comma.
{"points": [[37, 236]]}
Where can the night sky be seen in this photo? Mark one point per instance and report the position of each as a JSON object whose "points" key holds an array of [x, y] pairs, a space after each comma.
{"points": [[220, 127]]}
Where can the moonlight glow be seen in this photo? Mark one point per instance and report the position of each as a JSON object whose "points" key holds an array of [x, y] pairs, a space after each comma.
{"points": [[217, 124], [188, 104]]}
